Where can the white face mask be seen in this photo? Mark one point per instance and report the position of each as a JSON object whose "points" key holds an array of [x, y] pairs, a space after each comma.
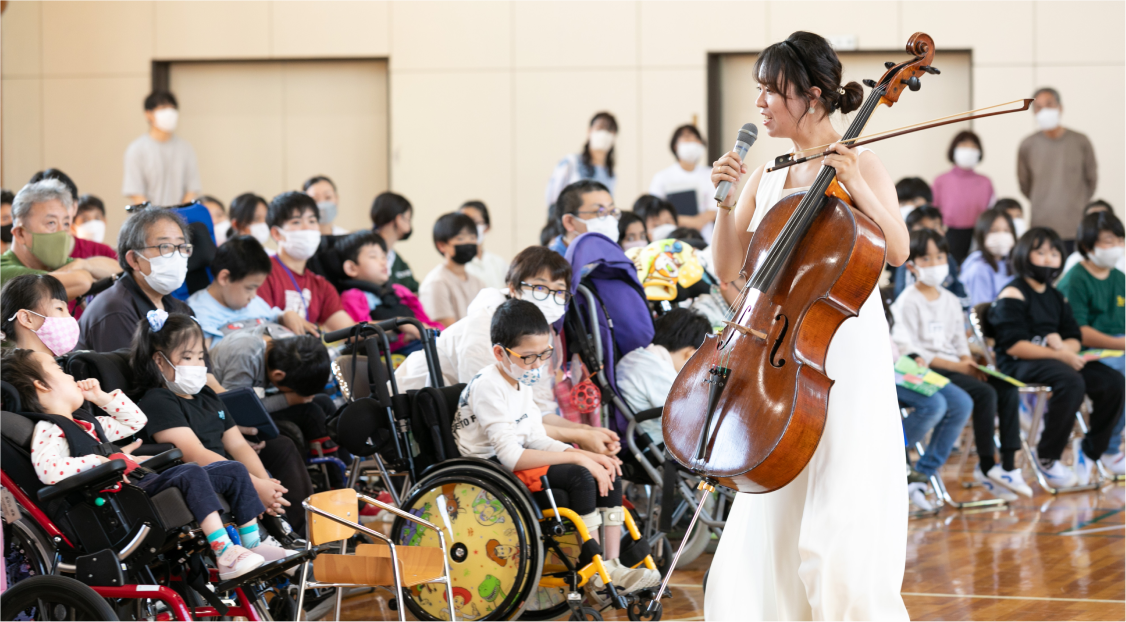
{"points": [[327, 211], [165, 119], [526, 377], [300, 244], [93, 230], [634, 244], [662, 232], [1048, 118], [221, 229], [1106, 257], [999, 243], [601, 140], [552, 310], [689, 152], [166, 274], [966, 157], [189, 378], [261, 232], [934, 275], [606, 225], [1020, 226], [481, 234]]}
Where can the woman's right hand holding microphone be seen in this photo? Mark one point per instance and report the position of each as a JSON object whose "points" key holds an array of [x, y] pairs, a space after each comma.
{"points": [[729, 167]]}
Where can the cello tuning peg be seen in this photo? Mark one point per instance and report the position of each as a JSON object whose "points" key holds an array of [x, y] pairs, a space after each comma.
{"points": [[869, 83], [931, 70], [912, 83], [889, 64]]}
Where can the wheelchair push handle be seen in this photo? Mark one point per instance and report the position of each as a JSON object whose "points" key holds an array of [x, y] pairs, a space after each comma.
{"points": [[371, 328]]}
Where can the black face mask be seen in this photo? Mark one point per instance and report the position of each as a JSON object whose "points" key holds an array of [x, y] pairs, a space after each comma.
{"points": [[1043, 274], [406, 236], [464, 253], [6, 234]]}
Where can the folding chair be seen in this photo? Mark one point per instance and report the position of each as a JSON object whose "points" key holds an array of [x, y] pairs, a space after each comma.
{"points": [[941, 493], [333, 517]]}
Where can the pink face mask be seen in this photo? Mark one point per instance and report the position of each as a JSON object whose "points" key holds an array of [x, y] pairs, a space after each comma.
{"points": [[59, 334]]}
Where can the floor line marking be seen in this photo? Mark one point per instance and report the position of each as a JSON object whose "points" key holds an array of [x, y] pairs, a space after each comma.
{"points": [[1097, 519], [1096, 529], [1047, 598]]}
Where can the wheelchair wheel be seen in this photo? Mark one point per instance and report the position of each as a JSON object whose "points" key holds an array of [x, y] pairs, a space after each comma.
{"points": [[50, 597], [493, 543], [27, 550], [548, 603]]}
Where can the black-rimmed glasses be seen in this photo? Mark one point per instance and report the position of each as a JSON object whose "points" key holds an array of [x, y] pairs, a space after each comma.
{"points": [[542, 292], [532, 358]]}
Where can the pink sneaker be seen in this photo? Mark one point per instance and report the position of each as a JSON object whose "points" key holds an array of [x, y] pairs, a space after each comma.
{"points": [[271, 550], [237, 561]]}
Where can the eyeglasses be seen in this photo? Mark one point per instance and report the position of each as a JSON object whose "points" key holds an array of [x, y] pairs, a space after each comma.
{"points": [[542, 292], [603, 210], [166, 249], [532, 358]]}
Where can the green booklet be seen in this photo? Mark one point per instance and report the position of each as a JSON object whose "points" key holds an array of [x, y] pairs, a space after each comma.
{"points": [[911, 375], [997, 374], [1094, 355]]}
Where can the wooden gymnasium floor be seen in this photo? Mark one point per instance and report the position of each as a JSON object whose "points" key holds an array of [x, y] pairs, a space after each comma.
{"points": [[1046, 558]]}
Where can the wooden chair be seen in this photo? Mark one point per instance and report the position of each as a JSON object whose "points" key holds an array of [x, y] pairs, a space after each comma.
{"points": [[333, 516]]}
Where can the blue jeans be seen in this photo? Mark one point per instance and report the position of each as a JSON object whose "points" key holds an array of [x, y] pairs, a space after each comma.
{"points": [[946, 412], [200, 486], [1118, 364]]}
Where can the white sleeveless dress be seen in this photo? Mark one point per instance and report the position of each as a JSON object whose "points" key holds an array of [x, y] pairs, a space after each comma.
{"points": [[832, 544]]}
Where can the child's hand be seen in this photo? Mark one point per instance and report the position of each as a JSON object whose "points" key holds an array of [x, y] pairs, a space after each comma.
{"points": [[128, 449], [92, 392], [1054, 341], [601, 475], [612, 464], [921, 362], [410, 331], [1074, 360], [599, 441], [299, 325]]}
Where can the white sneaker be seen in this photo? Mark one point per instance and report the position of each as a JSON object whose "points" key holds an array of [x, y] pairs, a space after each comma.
{"points": [[1013, 480], [237, 561], [1084, 466], [992, 487], [917, 493], [628, 580], [1059, 475], [1115, 463]]}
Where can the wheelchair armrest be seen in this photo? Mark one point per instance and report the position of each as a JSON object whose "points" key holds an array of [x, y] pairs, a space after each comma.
{"points": [[153, 449], [646, 415], [99, 477], [164, 459]]}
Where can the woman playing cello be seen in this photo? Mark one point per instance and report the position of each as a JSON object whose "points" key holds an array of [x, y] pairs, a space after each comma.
{"points": [[831, 544]]}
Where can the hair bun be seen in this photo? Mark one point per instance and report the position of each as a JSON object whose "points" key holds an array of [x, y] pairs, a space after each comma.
{"points": [[852, 97]]}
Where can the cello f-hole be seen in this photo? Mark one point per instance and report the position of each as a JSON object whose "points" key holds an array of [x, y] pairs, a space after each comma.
{"points": [[777, 362]]}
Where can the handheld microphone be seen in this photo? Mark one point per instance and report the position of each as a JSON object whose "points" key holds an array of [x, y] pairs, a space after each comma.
{"points": [[748, 134]]}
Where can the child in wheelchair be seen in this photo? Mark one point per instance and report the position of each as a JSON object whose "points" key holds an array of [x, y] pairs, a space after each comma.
{"points": [[68, 441], [498, 419]]}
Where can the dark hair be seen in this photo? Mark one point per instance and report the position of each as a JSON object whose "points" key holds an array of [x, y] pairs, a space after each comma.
{"points": [[680, 328], [7, 197], [1033, 239], [515, 319], [571, 198], [924, 211], [21, 371], [981, 229], [207, 198], [1091, 226], [348, 247], [806, 60], [89, 203], [449, 226], [961, 136], [691, 129], [587, 164], [480, 207], [1048, 89], [910, 188], [627, 219], [528, 263], [243, 208], [288, 205], [1008, 204], [316, 179], [919, 239], [388, 206], [157, 99], [648, 206], [304, 360], [134, 233], [686, 233], [241, 256], [1097, 203], [26, 291], [54, 173], [178, 329]]}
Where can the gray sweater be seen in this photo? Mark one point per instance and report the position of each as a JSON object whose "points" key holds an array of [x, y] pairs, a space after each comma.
{"points": [[1059, 177]]}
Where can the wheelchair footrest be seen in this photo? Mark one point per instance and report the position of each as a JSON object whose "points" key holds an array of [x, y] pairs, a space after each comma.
{"points": [[371, 565], [264, 572], [99, 569]]}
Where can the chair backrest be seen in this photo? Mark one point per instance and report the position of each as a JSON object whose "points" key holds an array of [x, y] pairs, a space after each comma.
{"points": [[113, 370], [433, 412], [343, 503], [983, 330], [9, 398]]}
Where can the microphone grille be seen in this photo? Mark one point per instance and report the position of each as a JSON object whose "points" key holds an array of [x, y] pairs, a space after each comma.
{"points": [[751, 129]]}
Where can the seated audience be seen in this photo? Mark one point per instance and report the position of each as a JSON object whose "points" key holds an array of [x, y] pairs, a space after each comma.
{"points": [[646, 375], [631, 231], [687, 184], [248, 217], [986, 270], [231, 300], [35, 315], [1038, 341], [489, 267], [90, 221], [912, 192], [1076, 257], [584, 206], [6, 199], [323, 191], [447, 291], [928, 217], [1016, 213], [1096, 288], [497, 419], [293, 220], [660, 216], [83, 248], [67, 433], [929, 325], [391, 218], [220, 225]]}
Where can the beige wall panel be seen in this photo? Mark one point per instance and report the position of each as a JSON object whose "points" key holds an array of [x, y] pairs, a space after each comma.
{"points": [[318, 29], [447, 149], [20, 46], [1001, 136], [199, 30], [97, 38], [86, 136], [875, 24], [336, 125], [669, 99], [678, 34], [22, 126], [450, 35], [951, 26], [1072, 33], [575, 34], [553, 111]]}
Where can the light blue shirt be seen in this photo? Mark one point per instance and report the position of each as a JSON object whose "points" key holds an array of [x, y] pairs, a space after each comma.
{"points": [[217, 319]]}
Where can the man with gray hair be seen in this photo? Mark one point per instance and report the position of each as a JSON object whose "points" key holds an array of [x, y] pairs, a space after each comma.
{"points": [[1056, 168], [41, 240]]}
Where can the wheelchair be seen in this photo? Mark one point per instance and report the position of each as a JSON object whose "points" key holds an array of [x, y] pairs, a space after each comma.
{"points": [[513, 553], [143, 555]]}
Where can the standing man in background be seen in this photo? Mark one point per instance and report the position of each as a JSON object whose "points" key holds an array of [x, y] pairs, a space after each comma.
{"points": [[160, 167], [1057, 169]]}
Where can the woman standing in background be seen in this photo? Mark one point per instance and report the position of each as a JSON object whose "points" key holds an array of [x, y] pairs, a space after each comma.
{"points": [[961, 194], [595, 162], [687, 183]]}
